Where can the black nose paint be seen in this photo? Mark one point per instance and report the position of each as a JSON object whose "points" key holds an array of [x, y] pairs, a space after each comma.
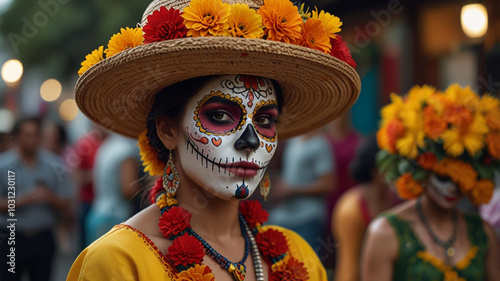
{"points": [[248, 140]]}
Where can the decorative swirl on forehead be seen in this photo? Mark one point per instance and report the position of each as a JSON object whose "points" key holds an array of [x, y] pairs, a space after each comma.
{"points": [[244, 85]]}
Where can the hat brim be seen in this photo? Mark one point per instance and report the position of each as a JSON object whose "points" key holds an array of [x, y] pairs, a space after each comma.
{"points": [[118, 92]]}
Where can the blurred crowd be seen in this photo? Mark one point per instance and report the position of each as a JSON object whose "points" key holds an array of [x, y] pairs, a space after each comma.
{"points": [[325, 186]]}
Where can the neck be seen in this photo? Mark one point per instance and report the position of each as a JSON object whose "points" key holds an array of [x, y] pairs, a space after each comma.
{"points": [[28, 158], [211, 216], [434, 212]]}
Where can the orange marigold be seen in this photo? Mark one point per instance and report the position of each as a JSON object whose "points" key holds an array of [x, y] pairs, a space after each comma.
{"points": [[281, 20], [395, 130], [460, 172], [493, 119], [196, 273], [314, 36], [427, 160], [434, 126], [493, 144], [407, 187], [482, 192], [291, 270], [382, 140], [245, 22], [457, 115], [149, 156], [126, 39], [207, 18]]}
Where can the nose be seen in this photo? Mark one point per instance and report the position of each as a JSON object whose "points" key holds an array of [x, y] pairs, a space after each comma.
{"points": [[248, 140]]}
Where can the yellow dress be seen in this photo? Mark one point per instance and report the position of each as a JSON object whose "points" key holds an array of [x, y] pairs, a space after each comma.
{"points": [[126, 254]]}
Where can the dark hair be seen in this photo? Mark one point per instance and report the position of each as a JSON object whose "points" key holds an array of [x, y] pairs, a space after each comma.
{"points": [[168, 103], [363, 164], [20, 122]]}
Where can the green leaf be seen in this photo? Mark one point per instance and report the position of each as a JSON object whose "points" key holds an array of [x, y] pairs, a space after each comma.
{"points": [[485, 172], [420, 174]]}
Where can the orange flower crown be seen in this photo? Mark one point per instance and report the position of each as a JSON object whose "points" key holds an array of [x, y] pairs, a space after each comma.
{"points": [[454, 133], [277, 20]]}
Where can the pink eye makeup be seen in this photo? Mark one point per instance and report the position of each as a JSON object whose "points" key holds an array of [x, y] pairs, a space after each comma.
{"points": [[265, 119], [220, 116]]}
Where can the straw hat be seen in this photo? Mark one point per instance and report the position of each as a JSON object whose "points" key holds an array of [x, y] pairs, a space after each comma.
{"points": [[118, 92]]}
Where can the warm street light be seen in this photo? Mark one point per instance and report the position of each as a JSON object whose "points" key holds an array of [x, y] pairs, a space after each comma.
{"points": [[50, 90], [68, 110], [12, 70], [474, 18]]}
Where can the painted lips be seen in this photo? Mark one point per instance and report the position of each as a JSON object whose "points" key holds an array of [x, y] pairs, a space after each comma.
{"points": [[243, 169], [451, 198]]}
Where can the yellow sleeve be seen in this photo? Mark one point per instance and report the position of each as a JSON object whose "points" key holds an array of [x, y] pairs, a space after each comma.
{"points": [[300, 250], [348, 230], [122, 254]]}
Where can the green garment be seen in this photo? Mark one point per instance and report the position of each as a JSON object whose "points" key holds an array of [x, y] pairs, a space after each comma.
{"points": [[410, 266]]}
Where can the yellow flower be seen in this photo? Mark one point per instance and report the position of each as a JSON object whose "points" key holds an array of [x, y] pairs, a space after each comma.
{"points": [[196, 273], [487, 104], [207, 18], [91, 59], [149, 156], [281, 20], [462, 96], [126, 39], [407, 146], [418, 95], [245, 22], [331, 23], [314, 36], [470, 138], [393, 109]]}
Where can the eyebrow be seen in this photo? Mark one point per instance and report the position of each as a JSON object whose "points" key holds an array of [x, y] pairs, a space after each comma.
{"points": [[221, 100], [268, 107]]}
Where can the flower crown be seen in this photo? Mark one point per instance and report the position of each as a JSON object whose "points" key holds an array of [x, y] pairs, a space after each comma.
{"points": [[453, 133], [277, 20]]}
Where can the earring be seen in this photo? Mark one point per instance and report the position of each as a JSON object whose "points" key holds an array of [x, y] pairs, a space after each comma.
{"points": [[265, 186], [170, 177]]}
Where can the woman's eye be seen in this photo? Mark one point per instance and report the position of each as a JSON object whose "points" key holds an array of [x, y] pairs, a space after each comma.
{"points": [[443, 178], [221, 116], [263, 120]]}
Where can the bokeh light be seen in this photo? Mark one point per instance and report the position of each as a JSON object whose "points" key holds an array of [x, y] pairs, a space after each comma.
{"points": [[474, 18], [50, 90], [12, 70], [68, 110]]}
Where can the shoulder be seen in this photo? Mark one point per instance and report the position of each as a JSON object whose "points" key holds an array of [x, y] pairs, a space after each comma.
{"points": [[300, 250], [48, 157], [347, 208], [7, 158], [123, 252]]}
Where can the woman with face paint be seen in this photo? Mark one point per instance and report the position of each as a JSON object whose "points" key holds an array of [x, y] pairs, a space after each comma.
{"points": [[438, 147], [207, 88]]}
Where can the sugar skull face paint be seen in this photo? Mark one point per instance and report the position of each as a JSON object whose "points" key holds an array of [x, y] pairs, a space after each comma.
{"points": [[443, 190], [228, 136]]}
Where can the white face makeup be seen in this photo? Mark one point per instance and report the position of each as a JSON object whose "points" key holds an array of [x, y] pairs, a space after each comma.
{"points": [[228, 136], [444, 190]]}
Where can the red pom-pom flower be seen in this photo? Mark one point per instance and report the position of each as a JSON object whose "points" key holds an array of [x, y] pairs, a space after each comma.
{"points": [[293, 270], [341, 51], [173, 221], [272, 243], [185, 250], [253, 213], [163, 25]]}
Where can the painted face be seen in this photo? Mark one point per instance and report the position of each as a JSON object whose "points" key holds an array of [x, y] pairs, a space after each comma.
{"points": [[228, 136], [443, 190]]}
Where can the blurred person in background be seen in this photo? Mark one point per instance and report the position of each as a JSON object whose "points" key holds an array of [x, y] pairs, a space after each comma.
{"points": [[357, 207], [42, 192], [86, 148], [491, 212], [55, 138], [116, 182], [307, 177], [344, 140], [434, 146]]}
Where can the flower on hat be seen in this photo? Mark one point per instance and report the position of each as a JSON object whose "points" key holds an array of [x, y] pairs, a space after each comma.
{"points": [[207, 18], [185, 251], [314, 36], [482, 192], [91, 59], [407, 187], [196, 273], [341, 51], [282, 21], [330, 22], [493, 144], [149, 156], [127, 38], [164, 24], [469, 137], [245, 22]]}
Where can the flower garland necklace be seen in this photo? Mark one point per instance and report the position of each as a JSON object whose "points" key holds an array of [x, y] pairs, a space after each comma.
{"points": [[188, 248]]}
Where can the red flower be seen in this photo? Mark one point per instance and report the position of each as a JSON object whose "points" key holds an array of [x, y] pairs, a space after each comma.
{"points": [[253, 213], [427, 160], [341, 51], [155, 190], [164, 25], [272, 243], [293, 270], [174, 220], [185, 250]]}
